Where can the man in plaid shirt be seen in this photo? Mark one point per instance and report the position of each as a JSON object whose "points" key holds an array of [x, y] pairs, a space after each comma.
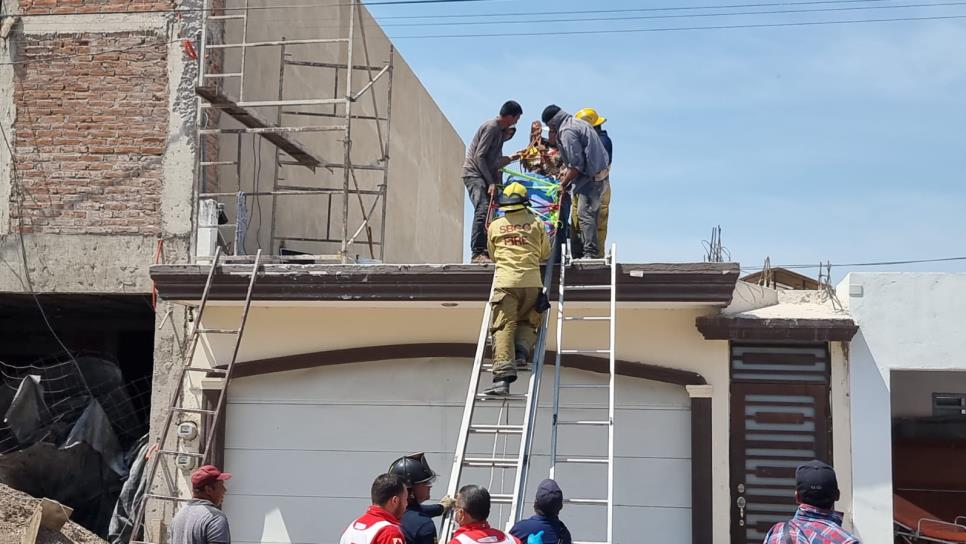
{"points": [[815, 522]]}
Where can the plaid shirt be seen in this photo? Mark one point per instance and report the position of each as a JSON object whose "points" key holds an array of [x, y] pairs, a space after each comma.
{"points": [[811, 525]]}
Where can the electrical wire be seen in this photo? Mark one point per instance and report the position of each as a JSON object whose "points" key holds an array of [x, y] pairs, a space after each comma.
{"points": [[678, 29], [856, 265], [652, 17]]}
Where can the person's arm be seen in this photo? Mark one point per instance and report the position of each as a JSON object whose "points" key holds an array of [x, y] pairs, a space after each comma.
{"points": [[544, 241], [572, 150], [432, 510], [216, 530], [490, 241]]}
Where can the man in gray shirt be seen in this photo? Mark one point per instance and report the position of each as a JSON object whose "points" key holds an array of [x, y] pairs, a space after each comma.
{"points": [[481, 172], [586, 169], [201, 521]]}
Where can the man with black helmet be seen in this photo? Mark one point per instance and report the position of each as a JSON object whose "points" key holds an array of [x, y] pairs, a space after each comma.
{"points": [[417, 521]]}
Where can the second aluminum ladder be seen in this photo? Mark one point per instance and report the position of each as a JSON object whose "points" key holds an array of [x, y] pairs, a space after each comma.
{"points": [[560, 421]]}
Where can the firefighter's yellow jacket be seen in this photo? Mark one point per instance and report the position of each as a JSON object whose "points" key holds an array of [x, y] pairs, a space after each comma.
{"points": [[518, 243]]}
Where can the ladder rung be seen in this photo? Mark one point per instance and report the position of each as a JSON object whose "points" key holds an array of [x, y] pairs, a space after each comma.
{"points": [[589, 542], [489, 462], [517, 397], [217, 163], [194, 411], [169, 452], [584, 386], [587, 287], [602, 502], [209, 370], [224, 17], [584, 422], [216, 331], [588, 318], [501, 498], [578, 351], [489, 368], [505, 429], [225, 75], [166, 498], [584, 460], [590, 261]]}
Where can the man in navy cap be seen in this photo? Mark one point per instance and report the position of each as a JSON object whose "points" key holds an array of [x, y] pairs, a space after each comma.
{"points": [[546, 523], [815, 522]]}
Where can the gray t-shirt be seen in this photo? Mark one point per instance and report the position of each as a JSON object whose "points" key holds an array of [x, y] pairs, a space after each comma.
{"points": [[199, 522], [484, 152]]}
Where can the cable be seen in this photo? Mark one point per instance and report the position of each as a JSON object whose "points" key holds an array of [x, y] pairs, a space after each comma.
{"points": [[17, 183], [664, 16], [854, 265], [679, 29]]}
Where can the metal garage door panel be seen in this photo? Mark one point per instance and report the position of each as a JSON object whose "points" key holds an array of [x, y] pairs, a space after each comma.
{"points": [[304, 421]]}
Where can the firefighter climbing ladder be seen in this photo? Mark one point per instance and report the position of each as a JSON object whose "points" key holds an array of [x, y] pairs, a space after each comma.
{"points": [[211, 418], [558, 421], [520, 463]]}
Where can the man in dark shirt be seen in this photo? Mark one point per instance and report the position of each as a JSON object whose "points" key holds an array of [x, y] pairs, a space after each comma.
{"points": [[201, 520], [546, 523], [481, 172], [417, 521]]}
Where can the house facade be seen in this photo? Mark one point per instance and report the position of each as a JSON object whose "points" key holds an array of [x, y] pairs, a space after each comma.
{"points": [[722, 389]]}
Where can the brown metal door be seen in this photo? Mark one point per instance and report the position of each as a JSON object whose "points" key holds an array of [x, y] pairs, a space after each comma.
{"points": [[779, 420]]}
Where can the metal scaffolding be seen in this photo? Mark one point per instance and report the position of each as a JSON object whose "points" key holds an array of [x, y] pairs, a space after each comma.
{"points": [[226, 200]]}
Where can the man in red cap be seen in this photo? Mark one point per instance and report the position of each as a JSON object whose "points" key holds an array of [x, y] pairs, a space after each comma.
{"points": [[201, 521], [380, 523]]}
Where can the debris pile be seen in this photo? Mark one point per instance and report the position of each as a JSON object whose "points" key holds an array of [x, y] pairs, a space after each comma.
{"points": [[16, 510]]}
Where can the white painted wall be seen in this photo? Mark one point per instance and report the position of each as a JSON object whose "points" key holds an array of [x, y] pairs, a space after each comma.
{"points": [[911, 321], [665, 337], [304, 446]]}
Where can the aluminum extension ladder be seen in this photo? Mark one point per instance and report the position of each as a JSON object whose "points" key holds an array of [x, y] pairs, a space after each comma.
{"points": [[525, 404], [557, 422], [211, 418]]}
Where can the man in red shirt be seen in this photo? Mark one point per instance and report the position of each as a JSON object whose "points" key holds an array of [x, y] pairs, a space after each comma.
{"points": [[380, 523], [472, 509]]}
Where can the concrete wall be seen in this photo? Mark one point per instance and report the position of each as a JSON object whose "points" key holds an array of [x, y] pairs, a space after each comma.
{"points": [[907, 321], [425, 202], [912, 390]]}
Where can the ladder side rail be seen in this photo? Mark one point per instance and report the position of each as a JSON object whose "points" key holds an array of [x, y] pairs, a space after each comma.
{"points": [[533, 397], [446, 526], [557, 360], [612, 390], [174, 398], [223, 394]]}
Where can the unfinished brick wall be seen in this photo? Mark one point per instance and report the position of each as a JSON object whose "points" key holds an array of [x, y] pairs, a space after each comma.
{"points": [[88, 6], [90, 134]]}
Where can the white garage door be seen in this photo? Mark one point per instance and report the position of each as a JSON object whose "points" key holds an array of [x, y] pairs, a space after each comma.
{"points": [[304, 446]]}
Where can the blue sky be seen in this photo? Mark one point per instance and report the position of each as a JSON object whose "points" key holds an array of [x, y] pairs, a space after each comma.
{"points": [[838, 142]]}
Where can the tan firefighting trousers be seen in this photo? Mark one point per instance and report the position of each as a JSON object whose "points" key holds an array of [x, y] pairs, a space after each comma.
{"points": [[515, 322]]}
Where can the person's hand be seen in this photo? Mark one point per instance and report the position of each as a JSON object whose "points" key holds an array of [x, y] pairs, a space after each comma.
{"points": [[536, 538], [491, 190], [447, 503]]}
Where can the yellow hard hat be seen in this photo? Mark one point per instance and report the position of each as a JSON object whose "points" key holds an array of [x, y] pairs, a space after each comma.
{"points": [[591, 117], [514, 197]]}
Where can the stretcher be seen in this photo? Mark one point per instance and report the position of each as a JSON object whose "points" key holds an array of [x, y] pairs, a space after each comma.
{"points": [[913, 525]]}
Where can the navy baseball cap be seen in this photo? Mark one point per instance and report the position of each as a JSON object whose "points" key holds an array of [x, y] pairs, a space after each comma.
{"points": [[816, 484], [549, 497]]}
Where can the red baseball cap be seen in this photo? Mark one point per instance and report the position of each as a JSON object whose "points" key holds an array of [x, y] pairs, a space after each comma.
{"points": [[207, 475]]}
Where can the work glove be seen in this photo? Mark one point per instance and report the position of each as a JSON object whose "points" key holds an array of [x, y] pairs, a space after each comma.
{"points": [[447, 503], [535, 538]]}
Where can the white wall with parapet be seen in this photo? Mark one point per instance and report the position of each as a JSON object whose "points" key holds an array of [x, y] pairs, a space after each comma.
{"points": [[907, 321]]}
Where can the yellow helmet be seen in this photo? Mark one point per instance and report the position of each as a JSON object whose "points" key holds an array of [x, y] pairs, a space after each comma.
{"points": [[590, 116], [514, 197]]}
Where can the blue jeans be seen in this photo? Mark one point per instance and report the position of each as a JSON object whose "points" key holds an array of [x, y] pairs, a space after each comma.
{"points": [[480, 200], [588, 212]]}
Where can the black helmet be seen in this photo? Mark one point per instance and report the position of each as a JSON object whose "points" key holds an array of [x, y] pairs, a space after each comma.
{"points": [[414, 469]]}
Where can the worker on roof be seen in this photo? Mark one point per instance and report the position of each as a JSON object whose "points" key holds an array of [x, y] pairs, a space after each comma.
{"points": [[816, 521], [586, 169], [471, 513], [481, 172], [380, 523], [417, 521], [592, 118], [545, 526], [518, 244]]}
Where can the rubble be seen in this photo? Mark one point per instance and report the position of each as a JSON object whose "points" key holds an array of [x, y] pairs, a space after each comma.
{"points": [[16, 509]]}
